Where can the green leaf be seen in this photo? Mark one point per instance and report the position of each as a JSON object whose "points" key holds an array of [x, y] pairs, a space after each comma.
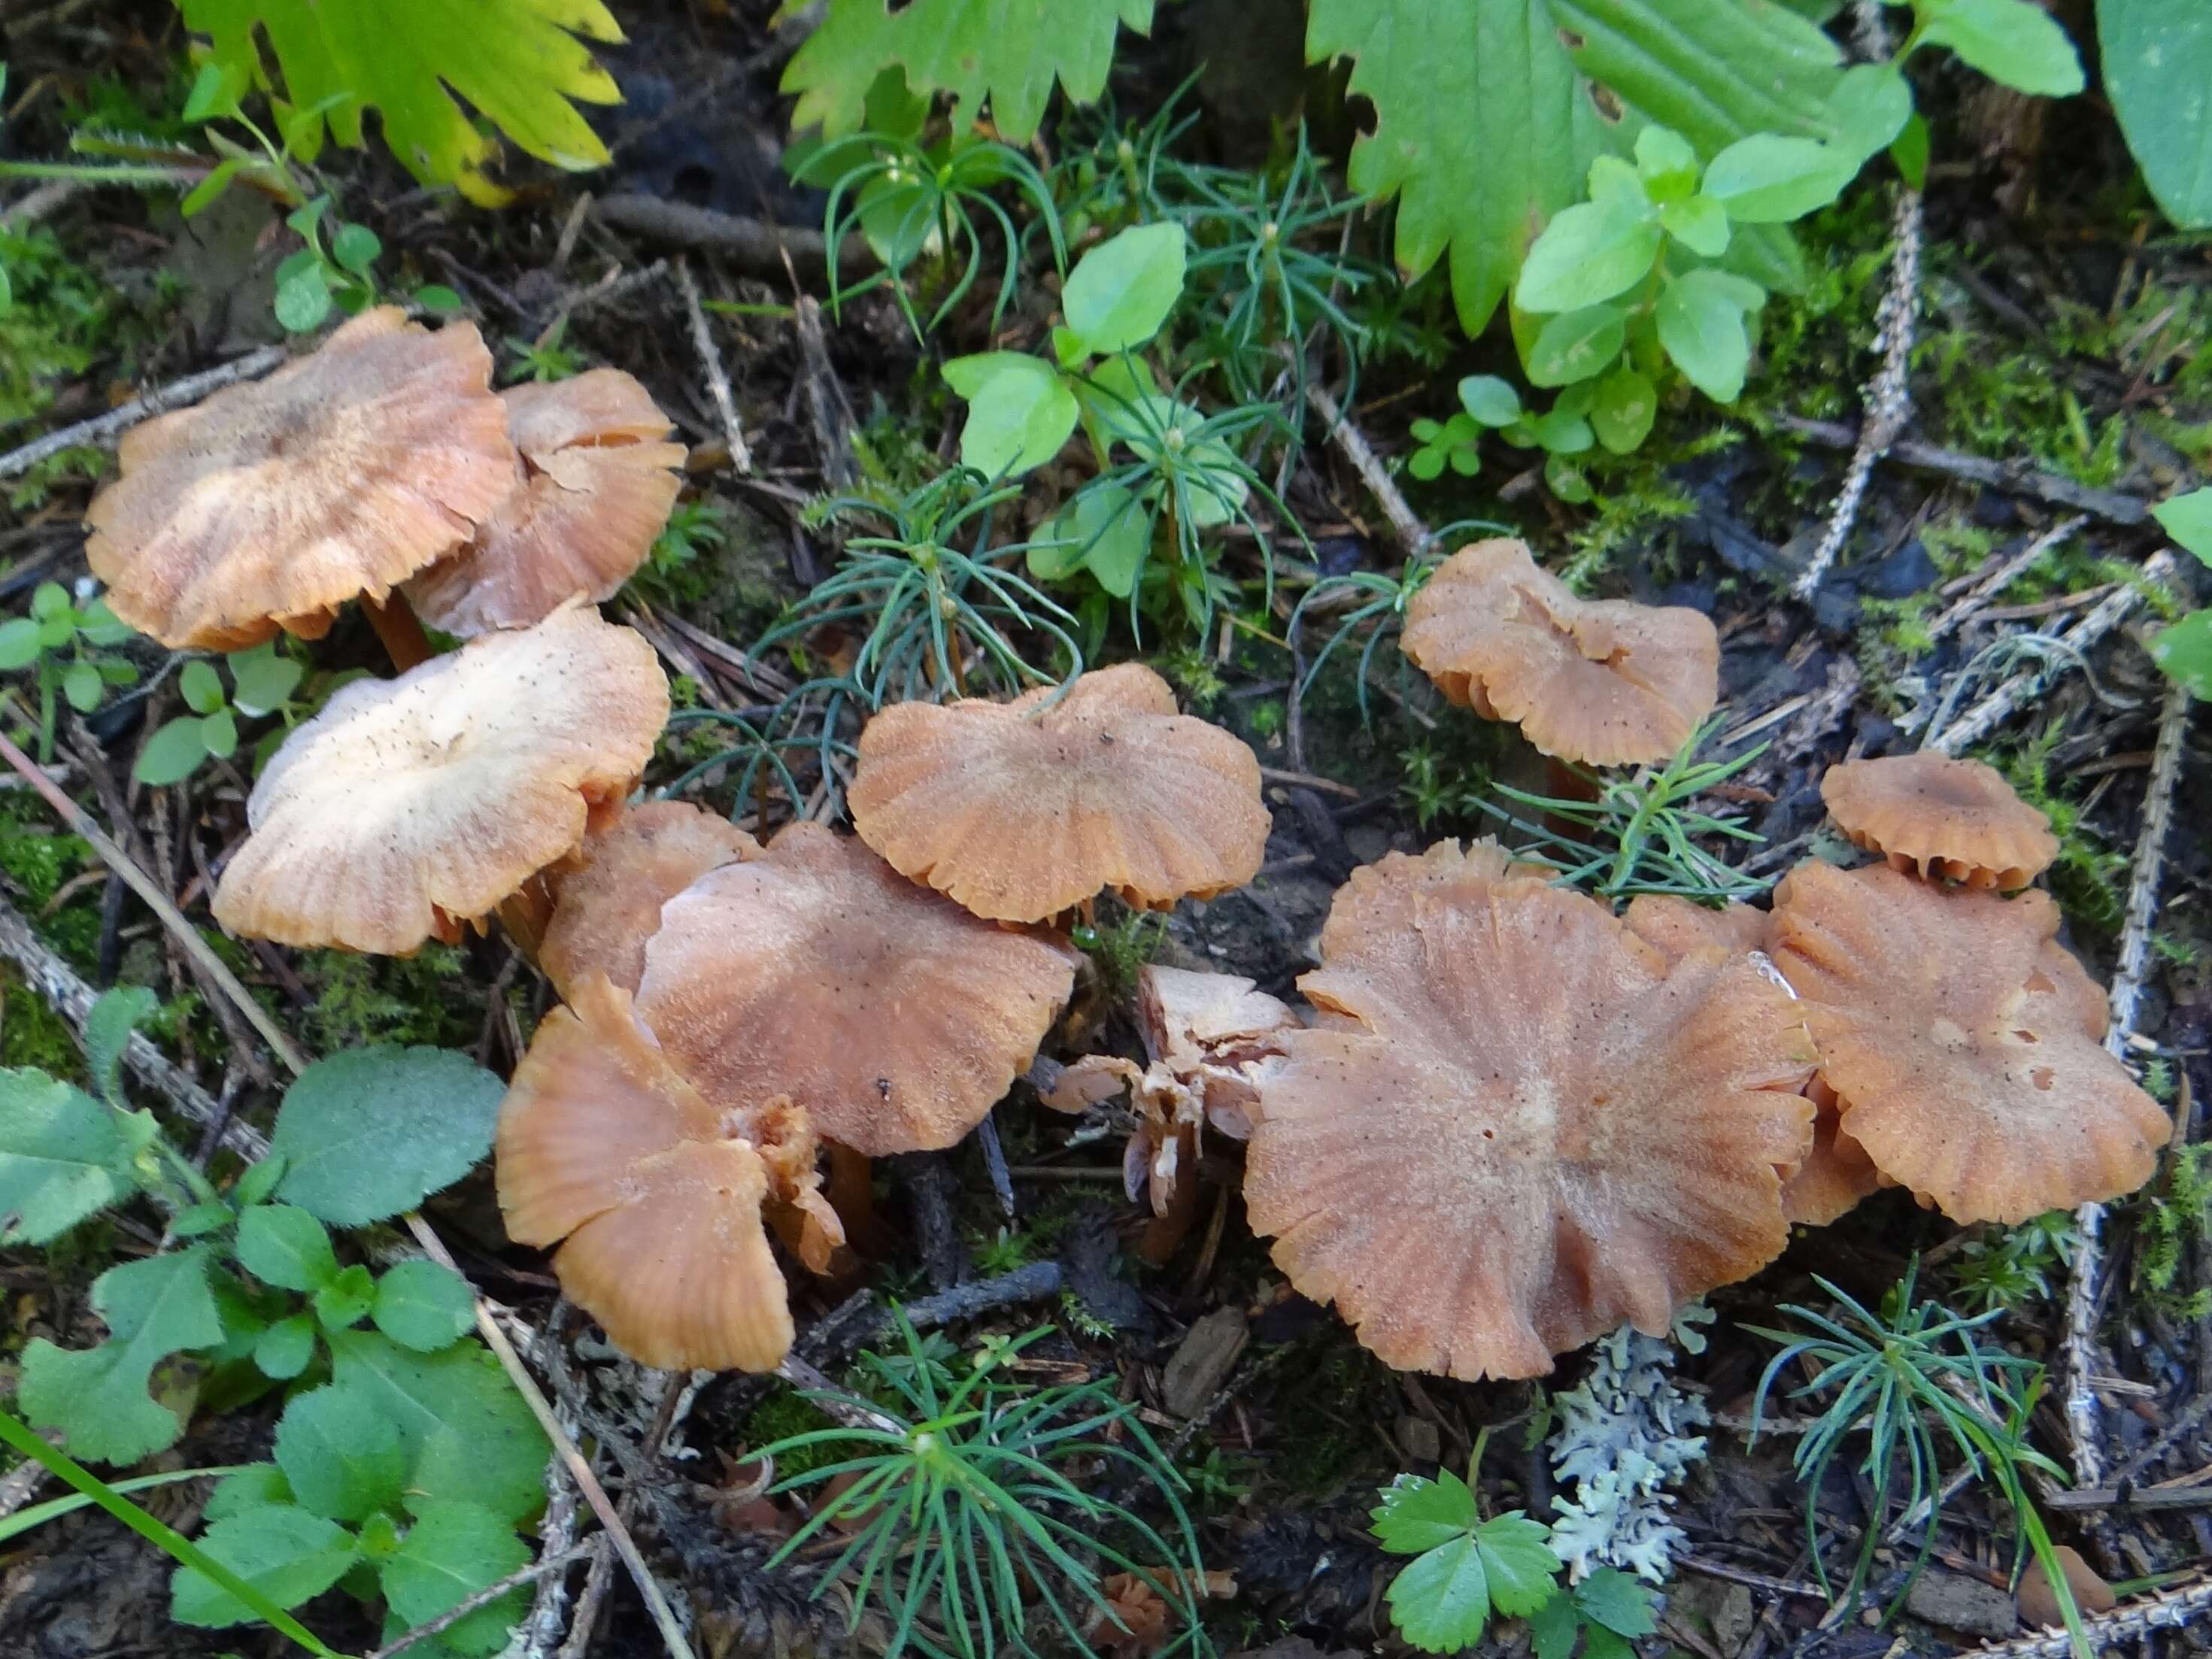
{"points": [[198, 1220], [1615, 1599], [259, 1181], [56, 632], [63, 1158], [1486, 121], [1589, 253], [107, 1030], [1699, 223], [215, 91], [201, 685], [975, 50], [2157, 62], [1626, 406], [303, 297], [1106, 530], [101, 627], [375, 1130], [468, 1434], [346, 1300], [18, 643], [2184, 652], [341, 1453], [1417, 1515], [2188, 520], [287, 1554], [281, 1244], [50, 602], [1667, 164], [1769, 180], [1522, 1565], [454, 1549], [423, 1306], [253, 1487], [1121, 292], [262, 679], [1909, 152], [283, 1350], [1576, 344], [440, 300], [1440, 1602], [1020, 411], [83, 687], [1553, 1626], [219, 734], [98, 1397], [424, 65], [172, 754], [1868, 109], [1490, 400], [1701, 325], [357, 248], [2009, 40]]}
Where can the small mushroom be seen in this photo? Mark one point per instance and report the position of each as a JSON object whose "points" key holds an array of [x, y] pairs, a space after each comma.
{"points": [[604, 910], [271, 504], [654, 1195], [409, 807], [1516, 1124], [1957, 820], [1962, 1043], [593, 489], [1021, 810], [891, 1017], [1602, 681]]}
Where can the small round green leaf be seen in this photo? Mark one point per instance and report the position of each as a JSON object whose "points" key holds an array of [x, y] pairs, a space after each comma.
{"points": [[201, 685], [1110, 532], [1700, 224], [1120, 293], [1868, 108], [83, 687], [1020, 411], [172, 753], [1770, 177], [1589, 254], [263, 679], [346, 1300], [283, 1350], [219, 733], [1700, 318], [1576, 345], [18, 643], [303, 298], [1626, 406], [423, 1306], [356, 247], [1492, 401], [1666, 163], [281, 1244], [50, 602]]}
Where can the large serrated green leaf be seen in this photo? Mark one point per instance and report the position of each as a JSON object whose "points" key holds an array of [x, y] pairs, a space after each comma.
{"points": [[1008, 52], [2157, 58], [467, 1432], [63, 1158], [98, 1397], [520, 63], [1488, 113]]}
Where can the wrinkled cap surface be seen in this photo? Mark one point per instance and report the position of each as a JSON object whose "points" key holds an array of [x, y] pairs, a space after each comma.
{"points": [[1955, 819], [1962, 1043], [890, 1016], [1604, 682], [596, 480], [605, 909], [1517, 1125], [409, 807], [272, 503], [654, 1200], [1675, 925], [1020, 811]]}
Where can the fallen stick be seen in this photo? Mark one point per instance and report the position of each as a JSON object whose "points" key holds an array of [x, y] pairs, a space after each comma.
{"points": [[2126, 1624], [710, 360], [2008, 475], [1352, 444], [756, 246]]}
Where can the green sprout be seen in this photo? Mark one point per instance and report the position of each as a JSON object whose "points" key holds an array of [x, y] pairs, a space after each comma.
{"points": [[961, 1517], [262, 683], [64, 646]]}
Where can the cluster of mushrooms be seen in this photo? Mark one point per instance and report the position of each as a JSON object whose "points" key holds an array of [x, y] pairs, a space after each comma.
{"points": [[1596, 1117]]}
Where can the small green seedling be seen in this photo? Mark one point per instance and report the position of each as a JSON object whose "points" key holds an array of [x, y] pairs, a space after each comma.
{"points": [[546, 359], [2183, 650], [262, 684], [1465, 1568], [1454, 442], [65, 646]]}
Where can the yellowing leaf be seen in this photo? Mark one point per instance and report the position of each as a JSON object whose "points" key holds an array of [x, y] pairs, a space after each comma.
{"points": [[1006, 51], [517, 63]]}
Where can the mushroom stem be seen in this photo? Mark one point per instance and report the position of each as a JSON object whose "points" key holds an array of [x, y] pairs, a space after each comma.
{"points": [[524, 915], [1165, 1232], [397, 625], [852, 1194]]}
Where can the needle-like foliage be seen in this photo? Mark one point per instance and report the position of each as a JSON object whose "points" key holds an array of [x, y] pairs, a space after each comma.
{"points": [[1640, 833], [1917, 1381], [980, 1514]]}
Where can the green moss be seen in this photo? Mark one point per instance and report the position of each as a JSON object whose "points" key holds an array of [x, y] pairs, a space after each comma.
{"points": [[784, 1413], [1119, 943], [2089, 876], [32, 1034], [424, 998], [1324, 1432]]}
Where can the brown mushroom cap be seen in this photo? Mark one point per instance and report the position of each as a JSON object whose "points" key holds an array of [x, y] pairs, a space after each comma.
{"points": [[1020, 811], [1961, 1040], [272, 503], [891, 1017], [1677, 926], [1517, 1126], [1836, 1174], [1604, 682], [606, 910], [409, 807], [597, 481], [1956, 819], [604, 1149]]}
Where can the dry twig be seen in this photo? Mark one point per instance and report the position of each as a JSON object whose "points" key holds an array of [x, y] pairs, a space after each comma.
{"points": [[710, 360], [1352, 444], [2124, 1625]]}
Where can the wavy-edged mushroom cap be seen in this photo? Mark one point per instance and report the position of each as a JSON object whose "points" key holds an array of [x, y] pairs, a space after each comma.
{"points": [[1676, 926], [1517, 1126], [1961, 1040], [411, 806], [1836, 1175], [598, 480], [1940, 816], [1020, 811], [272, 503], [890, 1016], [1605, 682], [606, 910], [655, 1200]]}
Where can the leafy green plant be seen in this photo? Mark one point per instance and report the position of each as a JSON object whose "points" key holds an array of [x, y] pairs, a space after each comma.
{"points": [[2017, 1267], [2156, 61], [1465, 1568], [545, 359], [2184, 649], [1642, 832], [2172, 1221], [1453, 442], [403, 1447], [960, 1520], [65, 648], [262, 684], [1916, 1382]]}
